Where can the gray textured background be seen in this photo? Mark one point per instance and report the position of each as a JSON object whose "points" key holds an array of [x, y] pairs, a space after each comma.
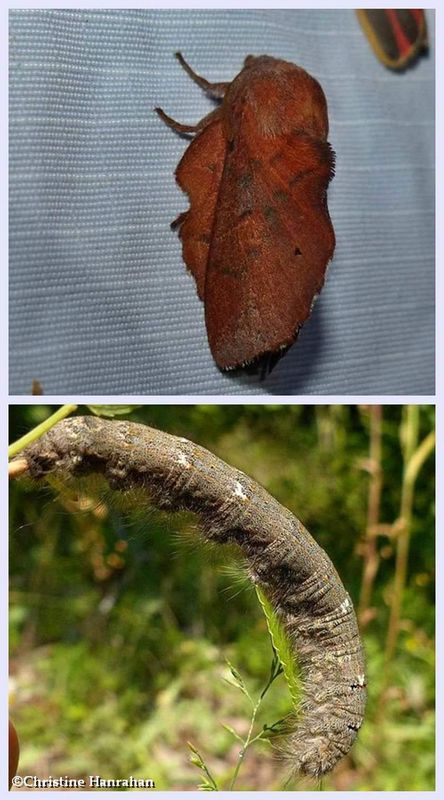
{"points": [[100, 301]]}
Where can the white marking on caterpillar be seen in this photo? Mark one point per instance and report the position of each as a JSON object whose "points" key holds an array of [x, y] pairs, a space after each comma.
{"points": [[345, 605], [183, 461], [294, 572], [239, 491]]}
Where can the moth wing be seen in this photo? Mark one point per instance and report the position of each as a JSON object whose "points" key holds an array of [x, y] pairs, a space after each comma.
{"points": [[397, 36], [199, 174], [271, 242]]}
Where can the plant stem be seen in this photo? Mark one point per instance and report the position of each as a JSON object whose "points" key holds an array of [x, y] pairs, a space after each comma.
{"points": [[414, 458], [371, 556], [210, 777], [247, 742], [39, 430], [275, 671]]}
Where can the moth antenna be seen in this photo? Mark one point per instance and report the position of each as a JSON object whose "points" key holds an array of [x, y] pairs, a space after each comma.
{"points": [[179, 128], [217, 90], [176, 126]]}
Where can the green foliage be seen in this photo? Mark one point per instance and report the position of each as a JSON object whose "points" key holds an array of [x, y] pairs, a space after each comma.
{"points": [[121, 622], [236, 680], [208, 782], [112, 411], [282, 647]]}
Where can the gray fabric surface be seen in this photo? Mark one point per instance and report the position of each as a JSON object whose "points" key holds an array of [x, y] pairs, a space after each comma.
{"points": [[100, 300]]}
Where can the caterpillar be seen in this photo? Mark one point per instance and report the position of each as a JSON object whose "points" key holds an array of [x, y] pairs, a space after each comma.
{"points": [[282, 558]]}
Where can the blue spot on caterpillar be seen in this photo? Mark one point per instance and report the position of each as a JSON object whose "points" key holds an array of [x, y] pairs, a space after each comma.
{"points": [[291, 569]]}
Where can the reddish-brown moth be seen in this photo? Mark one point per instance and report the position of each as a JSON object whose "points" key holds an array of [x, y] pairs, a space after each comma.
{"points": [[257, 237]]}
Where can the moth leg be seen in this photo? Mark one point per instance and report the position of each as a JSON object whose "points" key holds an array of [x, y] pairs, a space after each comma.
{"points": [[177, 126], [216, 89], [179, 220]]}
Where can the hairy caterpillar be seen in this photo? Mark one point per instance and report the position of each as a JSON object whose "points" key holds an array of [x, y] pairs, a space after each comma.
{"points": [[283, 559]]}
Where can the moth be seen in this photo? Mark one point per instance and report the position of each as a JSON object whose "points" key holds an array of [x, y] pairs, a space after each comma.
{"points": [[282, 559], [258, 236], [397, 35]]}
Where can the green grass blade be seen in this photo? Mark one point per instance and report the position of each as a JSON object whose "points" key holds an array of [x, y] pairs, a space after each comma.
{"points": [[282, 647]]}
